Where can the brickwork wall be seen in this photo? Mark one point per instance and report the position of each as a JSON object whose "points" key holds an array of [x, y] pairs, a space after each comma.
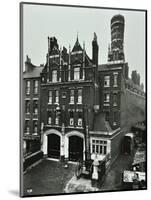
{"points": [[132, 109]]}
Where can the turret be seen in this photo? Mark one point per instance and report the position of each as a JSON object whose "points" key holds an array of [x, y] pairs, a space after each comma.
{"points": [[116, 52], [52, 44]]}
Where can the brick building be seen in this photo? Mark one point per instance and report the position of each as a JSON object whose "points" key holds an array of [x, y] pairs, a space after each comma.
{"points": [[31, 112], [122, 100], [86, 108], [69, 94]]}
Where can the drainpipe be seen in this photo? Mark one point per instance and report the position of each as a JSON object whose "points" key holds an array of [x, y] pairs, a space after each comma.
{"points": [[62, 143], [87, 142], [62, 154]]}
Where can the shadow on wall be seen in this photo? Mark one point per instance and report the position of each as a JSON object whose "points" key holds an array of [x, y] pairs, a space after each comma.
{"points": [[133, 109]]}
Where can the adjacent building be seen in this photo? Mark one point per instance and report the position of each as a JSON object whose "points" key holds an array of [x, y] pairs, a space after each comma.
{"points": [[31, 113]]}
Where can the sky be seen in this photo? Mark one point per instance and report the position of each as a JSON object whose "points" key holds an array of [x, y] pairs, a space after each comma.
{"points": [[41, 21]]}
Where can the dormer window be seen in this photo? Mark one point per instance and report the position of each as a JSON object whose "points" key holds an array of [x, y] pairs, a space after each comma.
{"points": [[76, 73]]}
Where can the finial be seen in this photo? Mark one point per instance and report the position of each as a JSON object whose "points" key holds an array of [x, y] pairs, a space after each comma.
{"points": [[77, 36], [95, 37], [83, 45], [69, 48]]}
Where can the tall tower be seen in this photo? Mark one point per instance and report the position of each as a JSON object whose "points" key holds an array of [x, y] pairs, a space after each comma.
{"points": [[116, 52], [95, 50]]}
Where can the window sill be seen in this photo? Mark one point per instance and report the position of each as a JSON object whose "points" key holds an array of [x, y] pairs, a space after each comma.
{"points": [[26, 133], [79, 127], [49, 103], [35, 134], [106, 86], [78, 103], [56, 103], [106, 104]]}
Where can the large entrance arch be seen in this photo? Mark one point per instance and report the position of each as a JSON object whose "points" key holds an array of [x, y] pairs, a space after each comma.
{"points": [[74, 146], [53, 146]]}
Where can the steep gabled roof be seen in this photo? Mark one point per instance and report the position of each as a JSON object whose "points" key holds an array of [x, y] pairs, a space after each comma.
{"points": [[77, 46]]}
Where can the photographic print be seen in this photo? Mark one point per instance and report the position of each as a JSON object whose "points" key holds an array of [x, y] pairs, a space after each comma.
{"points": [[82, 99]]}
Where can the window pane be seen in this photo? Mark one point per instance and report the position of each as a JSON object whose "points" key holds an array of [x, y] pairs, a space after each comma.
{"points": [[35, 87], [101, 149], [27, 106], [97, 148], [50, 97], [93, 148], [28, 87], [57, 96], [106, 97], [35, 107], [115, 79], [49, 120], [106, 81], [80, 96], [57, 120], [54, 76], [104, 149], [76, 73], [72, 96], [71, 114], [107, 116], [93, 141]]}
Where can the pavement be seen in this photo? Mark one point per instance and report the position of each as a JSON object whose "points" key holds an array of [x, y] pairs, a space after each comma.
{"points": [[113, 179], [80, 185], [48, 177]]}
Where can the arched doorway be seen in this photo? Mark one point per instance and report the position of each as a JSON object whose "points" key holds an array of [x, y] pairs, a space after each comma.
{"points": [[75, 148], [53, 146]]}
